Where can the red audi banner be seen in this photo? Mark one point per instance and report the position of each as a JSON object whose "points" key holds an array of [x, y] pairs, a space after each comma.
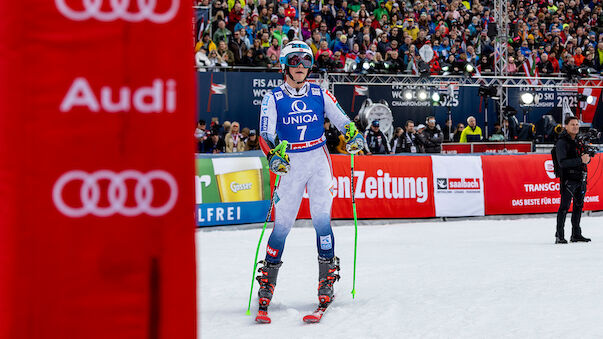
{"points": [[526, 184], [385, 187], [97, 101]]}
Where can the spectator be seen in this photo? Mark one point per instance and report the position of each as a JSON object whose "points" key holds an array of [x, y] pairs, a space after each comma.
{"points": [[448, 131], [253, 143], [205, 43], [233, 139], [224, 53], [274, 49], [225, 128], [201, 60], [214, 144], [432, 136], [201, 135], [598, 57], [408, 141], [472, 133], [222, 33], [324, 50], [376, 142], [238, 48], [216, 61], [457, 132], [498, 134]]}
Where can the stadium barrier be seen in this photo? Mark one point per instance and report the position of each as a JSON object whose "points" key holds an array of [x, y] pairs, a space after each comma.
{"points": [[235, 188]]}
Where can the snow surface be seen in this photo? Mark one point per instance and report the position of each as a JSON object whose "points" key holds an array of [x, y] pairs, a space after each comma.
{"points": [[456, 279]]}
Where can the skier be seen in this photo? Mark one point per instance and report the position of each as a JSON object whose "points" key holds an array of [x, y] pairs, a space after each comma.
{"points": [[293, 115]]}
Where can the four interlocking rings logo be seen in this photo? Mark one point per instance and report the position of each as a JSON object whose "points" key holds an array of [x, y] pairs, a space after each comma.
{"points": [[120, 9], [117, 193]]}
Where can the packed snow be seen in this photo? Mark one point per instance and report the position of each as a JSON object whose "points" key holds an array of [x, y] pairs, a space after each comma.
{"points": [[457, 279]]}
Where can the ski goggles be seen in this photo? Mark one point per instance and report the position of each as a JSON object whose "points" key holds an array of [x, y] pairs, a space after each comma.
{"points": [[296, 58]]}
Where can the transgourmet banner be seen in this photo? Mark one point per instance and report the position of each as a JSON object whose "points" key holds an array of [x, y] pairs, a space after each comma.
{"points": [[527, 184], [97, 101]]}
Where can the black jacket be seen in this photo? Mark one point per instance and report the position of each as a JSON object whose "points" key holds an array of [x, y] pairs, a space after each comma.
{"points": [[432, 139], [332, 135], [404, 143], [376, 142], [569, 159]]}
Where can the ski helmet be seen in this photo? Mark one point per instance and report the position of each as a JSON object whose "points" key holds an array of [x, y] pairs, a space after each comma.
{"points": [[296, 47]]}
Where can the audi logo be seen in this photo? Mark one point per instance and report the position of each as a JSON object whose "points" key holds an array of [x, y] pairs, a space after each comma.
{"points": [[119, 9], [117, 193]]}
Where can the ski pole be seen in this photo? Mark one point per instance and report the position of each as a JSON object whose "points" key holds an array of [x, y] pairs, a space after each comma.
{"points": [[355, 229], [281, 151]]}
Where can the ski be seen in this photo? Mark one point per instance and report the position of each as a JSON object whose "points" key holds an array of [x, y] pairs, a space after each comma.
{"points": [[262, 316], [315, 316]]}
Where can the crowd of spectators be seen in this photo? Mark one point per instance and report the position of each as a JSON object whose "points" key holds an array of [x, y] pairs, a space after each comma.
{"points": [[225, 138], [556, 34]]}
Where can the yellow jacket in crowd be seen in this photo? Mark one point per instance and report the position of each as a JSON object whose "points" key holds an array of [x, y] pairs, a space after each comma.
{"points": [[469, 131]]}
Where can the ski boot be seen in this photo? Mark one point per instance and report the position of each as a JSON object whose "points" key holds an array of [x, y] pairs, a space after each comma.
{"points": [[267, 280], [328, 274], [579, 238]]}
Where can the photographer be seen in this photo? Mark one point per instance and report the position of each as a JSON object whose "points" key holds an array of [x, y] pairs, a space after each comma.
{"points": [[572, 164]]}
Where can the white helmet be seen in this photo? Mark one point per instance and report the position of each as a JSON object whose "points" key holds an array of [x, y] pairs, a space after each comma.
{"points": [[296, 47]]}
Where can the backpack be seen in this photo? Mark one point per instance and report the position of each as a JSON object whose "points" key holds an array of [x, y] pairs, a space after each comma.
{"points": [[556, 166]]}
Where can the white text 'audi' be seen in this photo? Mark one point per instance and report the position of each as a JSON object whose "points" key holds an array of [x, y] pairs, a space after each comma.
{"points": [[157, 98]]}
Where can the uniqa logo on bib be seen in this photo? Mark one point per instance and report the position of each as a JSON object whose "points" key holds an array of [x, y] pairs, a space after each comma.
{"points": [[298, 107], [118, 9]]}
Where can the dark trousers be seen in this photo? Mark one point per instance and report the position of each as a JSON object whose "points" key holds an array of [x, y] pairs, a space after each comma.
{"points": [[570, 190]]}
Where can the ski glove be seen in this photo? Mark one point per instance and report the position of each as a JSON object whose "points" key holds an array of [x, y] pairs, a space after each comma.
{"points": [[278, 160], [354, 140]]}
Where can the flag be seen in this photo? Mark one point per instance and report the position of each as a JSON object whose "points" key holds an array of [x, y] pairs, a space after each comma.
{"points": [[531, 70], [359, 91], [588, 111], [217, 89], [415, 69]]}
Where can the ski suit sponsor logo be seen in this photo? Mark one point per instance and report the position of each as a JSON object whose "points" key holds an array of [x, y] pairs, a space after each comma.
{"points": [[278, 95], [299, 107], [157, 98], [119, 9], [234, 187], [383, 186], [271, 251], [316, 91], [325, 242], [306, 119]]}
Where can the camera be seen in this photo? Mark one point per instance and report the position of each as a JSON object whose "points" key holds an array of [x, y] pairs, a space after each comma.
{"points": [[586, 140]]}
